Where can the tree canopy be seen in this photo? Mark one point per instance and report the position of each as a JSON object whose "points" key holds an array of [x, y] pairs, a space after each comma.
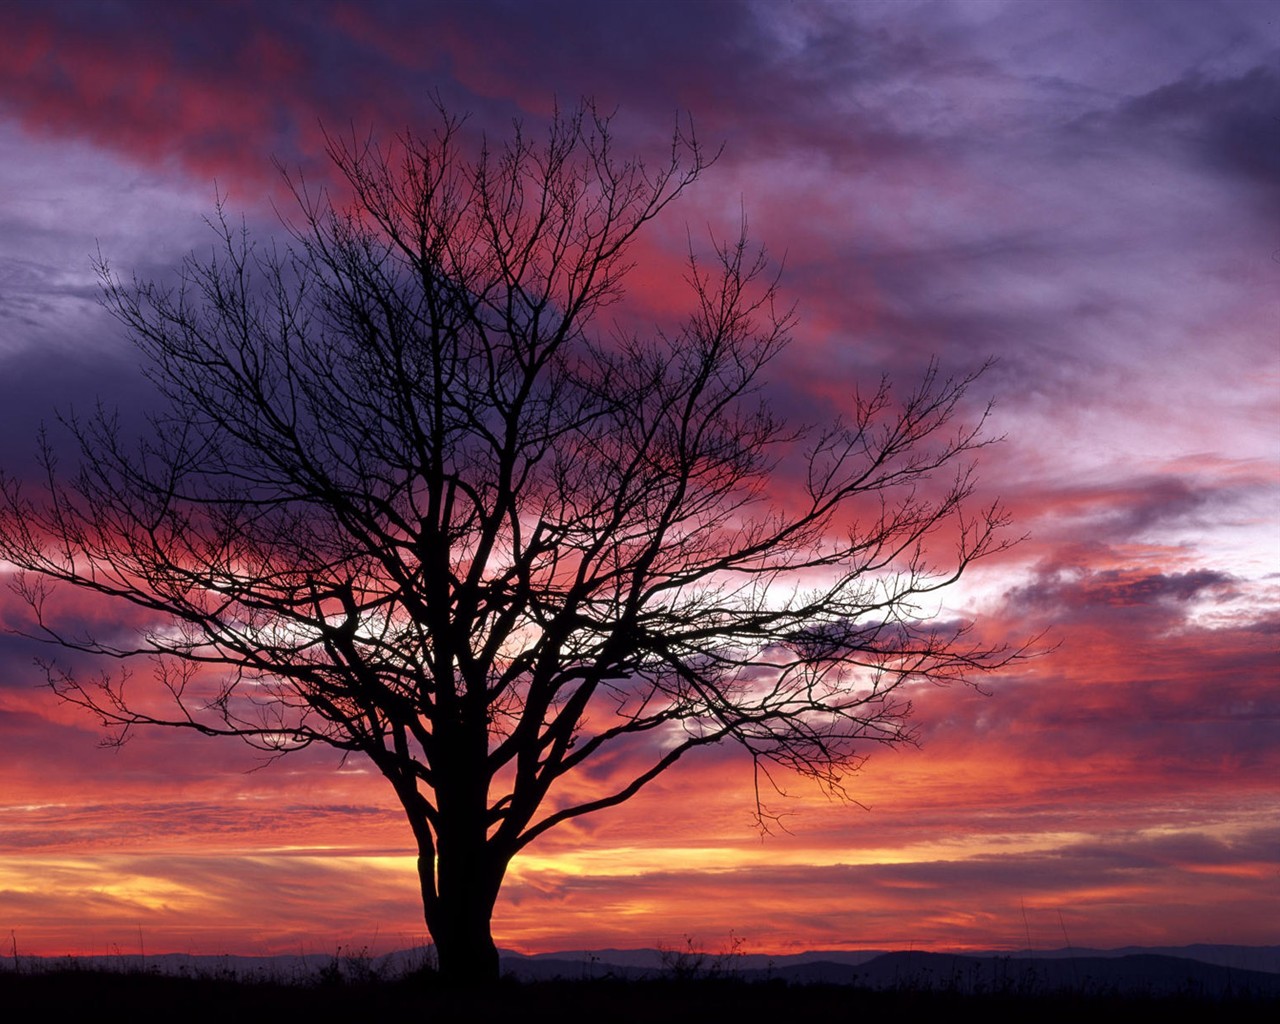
{"points": [[414, 497]]}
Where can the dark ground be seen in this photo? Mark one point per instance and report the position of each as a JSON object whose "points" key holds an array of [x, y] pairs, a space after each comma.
{"points": [[88, 994]]}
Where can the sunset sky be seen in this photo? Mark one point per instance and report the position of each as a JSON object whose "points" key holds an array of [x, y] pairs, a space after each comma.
{"points": [[1087, 192]]}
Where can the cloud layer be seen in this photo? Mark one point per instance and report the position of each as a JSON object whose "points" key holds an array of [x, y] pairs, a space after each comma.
{"points": [[1086, 192]]}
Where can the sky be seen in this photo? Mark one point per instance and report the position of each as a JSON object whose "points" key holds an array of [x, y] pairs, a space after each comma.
{"points": [[1086, 192]]}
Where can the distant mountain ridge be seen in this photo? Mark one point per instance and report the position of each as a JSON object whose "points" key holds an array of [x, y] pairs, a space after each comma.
{"points": [[1251, 958], [1198, 970], [1091, 972]]}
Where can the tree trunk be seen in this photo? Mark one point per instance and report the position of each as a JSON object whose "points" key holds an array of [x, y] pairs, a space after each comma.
{"points": [[465, 889]]}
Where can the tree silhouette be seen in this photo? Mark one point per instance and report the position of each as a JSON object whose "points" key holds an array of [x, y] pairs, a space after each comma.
{"points": [[410, 499]]}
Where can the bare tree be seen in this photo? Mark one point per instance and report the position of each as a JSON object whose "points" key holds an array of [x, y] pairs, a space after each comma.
{"points": [[410, 500]]}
